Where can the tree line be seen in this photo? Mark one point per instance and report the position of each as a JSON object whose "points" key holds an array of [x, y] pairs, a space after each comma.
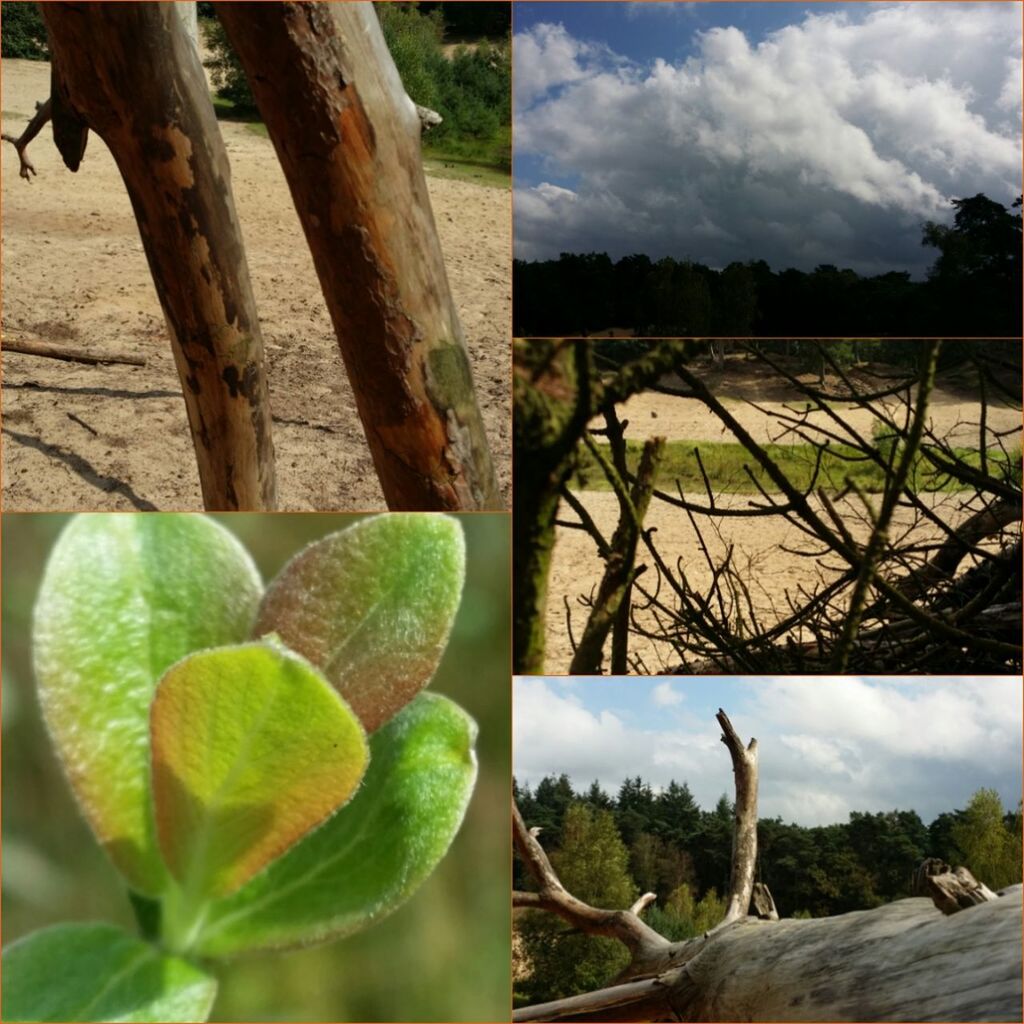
{"points": [[608, 849], [972, 290]]}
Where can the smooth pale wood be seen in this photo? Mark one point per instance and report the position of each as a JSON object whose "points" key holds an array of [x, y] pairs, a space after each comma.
{"points": [[905, 961], [71, 355], [347, 137], [901, 962], [744, 835], [131, 74]]}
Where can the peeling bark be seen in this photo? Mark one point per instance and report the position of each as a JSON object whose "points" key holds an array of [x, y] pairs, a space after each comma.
{"points": [[130, 73], [347, 137]]}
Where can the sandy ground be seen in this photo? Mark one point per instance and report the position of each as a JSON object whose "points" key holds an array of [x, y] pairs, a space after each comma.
{"points": [[763, 546], [74, 272], [769, 570]]}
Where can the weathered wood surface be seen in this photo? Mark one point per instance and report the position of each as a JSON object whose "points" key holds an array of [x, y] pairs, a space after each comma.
{"points": [[902, 962], [950, 889], [348, 139], [905, 961], [130, 73]]}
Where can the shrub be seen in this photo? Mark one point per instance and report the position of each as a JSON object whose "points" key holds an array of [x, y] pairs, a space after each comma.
{"points": [[24, 34], [225, 68]]}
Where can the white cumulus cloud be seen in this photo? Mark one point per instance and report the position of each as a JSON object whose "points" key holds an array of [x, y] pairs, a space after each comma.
{"points": [[827, 746], [830, 140]]}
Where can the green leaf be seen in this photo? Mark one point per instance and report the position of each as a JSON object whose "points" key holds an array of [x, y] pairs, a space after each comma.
{"points": [[372, 607], [251, 749], [96, 972], [123, 598], [374, 853]]}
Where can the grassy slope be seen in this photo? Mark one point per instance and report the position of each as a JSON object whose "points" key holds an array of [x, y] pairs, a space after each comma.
{"points": [[724, 464]]}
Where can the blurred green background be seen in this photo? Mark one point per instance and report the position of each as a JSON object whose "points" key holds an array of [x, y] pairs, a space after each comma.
{"points": [[443, 956]]}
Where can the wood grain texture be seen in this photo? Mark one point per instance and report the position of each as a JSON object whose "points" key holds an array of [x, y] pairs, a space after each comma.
{"points": [[348, 139], [130, 73]]}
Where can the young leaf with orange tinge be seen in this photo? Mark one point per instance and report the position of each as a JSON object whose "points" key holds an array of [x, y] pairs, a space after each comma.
{"points": [[372, 607], [124, 597], [252, 748], [371, 856]]}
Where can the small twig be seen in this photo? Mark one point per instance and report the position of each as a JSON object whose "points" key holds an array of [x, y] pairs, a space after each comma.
{"points": [[74, 419]]}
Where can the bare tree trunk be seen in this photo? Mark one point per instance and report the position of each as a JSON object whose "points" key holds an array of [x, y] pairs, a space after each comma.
{"points": [[130, 72], [348, 138]]}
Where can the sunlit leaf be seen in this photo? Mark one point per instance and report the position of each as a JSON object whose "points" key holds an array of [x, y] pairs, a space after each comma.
{"points": [[96, 972], [374, 853], [122, 599], [372, 607], [251, 749]]}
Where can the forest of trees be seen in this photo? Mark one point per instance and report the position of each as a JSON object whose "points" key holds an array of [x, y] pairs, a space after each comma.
{"points": [[972, 290], [608, 849]]}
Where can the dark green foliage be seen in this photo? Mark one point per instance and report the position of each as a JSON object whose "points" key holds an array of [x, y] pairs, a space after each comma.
{"points": [[226, 69], [470, 19], [823, 870], [973, 289], [23, 33], [470, 89]]}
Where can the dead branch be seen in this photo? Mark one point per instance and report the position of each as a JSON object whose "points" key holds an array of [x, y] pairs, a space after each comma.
{"points": [[552, 896], [620, 562], [32, 129], [72, 355], [744, 837], [950, 889]]}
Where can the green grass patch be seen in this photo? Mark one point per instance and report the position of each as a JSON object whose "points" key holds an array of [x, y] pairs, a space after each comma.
{"points": [[724, 464], [482, 163], [438, 165]]}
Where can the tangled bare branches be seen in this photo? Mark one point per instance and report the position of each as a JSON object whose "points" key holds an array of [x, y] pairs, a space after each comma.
{"points": [[906, 534]]}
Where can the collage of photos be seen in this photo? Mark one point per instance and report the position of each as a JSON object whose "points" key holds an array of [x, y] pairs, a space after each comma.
{"points": [[607, 408]]}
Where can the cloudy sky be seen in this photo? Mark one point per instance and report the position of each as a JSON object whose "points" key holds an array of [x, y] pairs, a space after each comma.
{"points": [[792, 132], [827, 745]]}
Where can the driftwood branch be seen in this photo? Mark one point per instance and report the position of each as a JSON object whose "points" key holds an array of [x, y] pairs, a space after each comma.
{"points": [[71, 355], [903, 961], [552, 896], [950, 889], [744, 838]]}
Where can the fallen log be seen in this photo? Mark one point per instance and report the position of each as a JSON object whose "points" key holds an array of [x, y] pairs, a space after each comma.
{"points": [[905, 961], [72, 355]]}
